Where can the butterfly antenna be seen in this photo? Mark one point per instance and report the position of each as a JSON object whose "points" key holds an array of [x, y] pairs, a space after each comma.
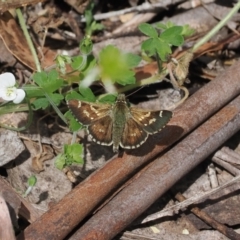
{"points": [[135, 91]]}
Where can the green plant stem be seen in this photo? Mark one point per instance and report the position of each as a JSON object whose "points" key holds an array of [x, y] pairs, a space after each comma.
{"points": [[29, 189], [158, 62], [28, 38], [217, 27], [13, 108], [49, 99], [55, 107], [74, 137]]}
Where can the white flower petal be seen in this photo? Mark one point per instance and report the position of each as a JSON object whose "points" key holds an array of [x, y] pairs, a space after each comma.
{"points": [[8, 94], [7, 80], [20, 96]]}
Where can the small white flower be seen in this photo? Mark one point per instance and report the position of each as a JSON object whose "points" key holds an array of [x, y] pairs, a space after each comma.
{"points": [[8, 91]]}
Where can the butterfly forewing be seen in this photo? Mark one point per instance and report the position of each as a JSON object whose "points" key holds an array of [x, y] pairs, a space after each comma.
{"points": [[151, 121], [86, 112], [133, 135], [101, 130]]}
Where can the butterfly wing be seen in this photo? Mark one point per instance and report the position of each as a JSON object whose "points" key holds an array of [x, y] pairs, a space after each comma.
{"points": [[97, 118], [151, 121], [133, 135], [101, 130], [87, 113]]}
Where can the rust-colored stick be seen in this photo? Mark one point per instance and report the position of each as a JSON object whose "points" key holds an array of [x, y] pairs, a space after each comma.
{"points": [[161, 175], [84, 198]]}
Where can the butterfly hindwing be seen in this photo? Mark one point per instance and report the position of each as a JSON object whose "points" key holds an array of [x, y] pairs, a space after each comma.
{"points": [[133, 135], [101, 131], [151, 121]]}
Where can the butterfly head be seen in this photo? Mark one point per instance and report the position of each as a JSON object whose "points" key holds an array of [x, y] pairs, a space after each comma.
{"points": [[121, 98]]}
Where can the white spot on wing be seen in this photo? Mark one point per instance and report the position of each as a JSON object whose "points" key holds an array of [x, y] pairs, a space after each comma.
{"points": [[152, 120], [86, 113]]}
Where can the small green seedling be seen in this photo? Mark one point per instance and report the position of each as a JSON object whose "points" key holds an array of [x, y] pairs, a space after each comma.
{"points": [[71, 154], [31, 183]]}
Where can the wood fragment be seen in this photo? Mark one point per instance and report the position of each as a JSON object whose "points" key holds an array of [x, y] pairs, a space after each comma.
{"points": [[6, 228], [228, 232]]}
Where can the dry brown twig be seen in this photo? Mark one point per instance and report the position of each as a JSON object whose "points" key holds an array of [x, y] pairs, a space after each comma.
{"points": [[232, 186], [211, 221]]}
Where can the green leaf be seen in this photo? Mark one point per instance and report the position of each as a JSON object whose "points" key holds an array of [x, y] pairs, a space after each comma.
{"points": [[40, 78], [148, 30], [90, 65], [73, 95], [169, 24], [86, 45], [87, 94], [74, 125], [127, 78], [56, 97], [32, 181], [162, 49], [161, 26], [173, 36], [49, 82], [33, 91], [74, 152], [96, 26], [61, 61], [114, 66], [157, 45], [164, 26], [88, 14], [187, 31], [52, 75], [40, 103], [177, 41], [60, 161], [132, 60], [54, 83], [78, 62], [148, 47], [109, 98]]}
